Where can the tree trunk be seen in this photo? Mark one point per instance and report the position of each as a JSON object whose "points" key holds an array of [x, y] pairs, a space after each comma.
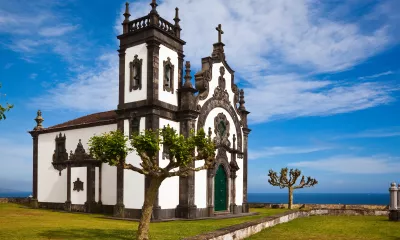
{"points": [[290, 204], [147, 209]]}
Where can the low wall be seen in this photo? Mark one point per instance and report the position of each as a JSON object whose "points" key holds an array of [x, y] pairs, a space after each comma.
{"points": [[15, 200], [244, 230], [320, 206]]}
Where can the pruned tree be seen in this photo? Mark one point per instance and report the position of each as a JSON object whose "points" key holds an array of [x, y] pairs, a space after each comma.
{"points": [[282, 181], [4, 109], [114, 146]]}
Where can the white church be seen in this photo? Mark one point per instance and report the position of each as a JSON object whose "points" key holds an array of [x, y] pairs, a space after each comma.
{"points": [[154, 90]]}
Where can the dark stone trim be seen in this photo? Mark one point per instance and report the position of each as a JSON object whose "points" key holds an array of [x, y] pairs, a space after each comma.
{"points": [[144, 35], [121, 95], [147, 106], [153, 49], [119, 207], [212, 103], [90, 188], [78, 126], [169, 88], [246, 132], [136, 63], [100, 182], [68, 202], [35, 136]]}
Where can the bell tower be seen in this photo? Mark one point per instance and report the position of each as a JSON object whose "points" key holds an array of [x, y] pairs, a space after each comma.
{"points": [[150, 75], [151, 60]]}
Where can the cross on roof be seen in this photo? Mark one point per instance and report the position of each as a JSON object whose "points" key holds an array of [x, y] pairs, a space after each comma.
{"points": [[220, 32]]}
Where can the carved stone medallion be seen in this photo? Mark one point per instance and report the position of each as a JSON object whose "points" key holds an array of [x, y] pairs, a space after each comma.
{"points": [[221, 130], [78, 185]]}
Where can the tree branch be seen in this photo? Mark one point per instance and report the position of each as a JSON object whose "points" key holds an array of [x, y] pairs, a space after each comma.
{"points": [[136, 169]]}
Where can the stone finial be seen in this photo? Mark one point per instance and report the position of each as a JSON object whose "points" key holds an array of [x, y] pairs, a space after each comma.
{"points": [[177, 27], [241, 101], [126, 20], [188, 78], [393, 184], [153, 5], [234, 141], [209, 132], [39, 119], [126, 14]]}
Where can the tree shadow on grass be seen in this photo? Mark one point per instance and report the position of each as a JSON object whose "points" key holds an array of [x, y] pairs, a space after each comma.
{"points": [[117, 234]]}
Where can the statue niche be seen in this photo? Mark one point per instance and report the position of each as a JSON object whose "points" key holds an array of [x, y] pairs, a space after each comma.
{"points": [[168, 76], [60, 154], [135, 77], [221, 130]]}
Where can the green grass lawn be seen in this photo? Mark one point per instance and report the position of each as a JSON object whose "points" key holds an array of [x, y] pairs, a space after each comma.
{"points": [[333, 227], [19, 222]]}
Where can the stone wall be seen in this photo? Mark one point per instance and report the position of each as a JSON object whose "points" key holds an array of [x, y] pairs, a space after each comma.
{"points": [[15, 200], [321, 206], [244, 230]]}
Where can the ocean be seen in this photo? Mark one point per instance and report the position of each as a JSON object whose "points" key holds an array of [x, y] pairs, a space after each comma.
{"points": [[321, 198], [317, 198]]}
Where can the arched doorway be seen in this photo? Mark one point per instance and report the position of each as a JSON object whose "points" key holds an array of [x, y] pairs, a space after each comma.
{"points": [[220, 190]]}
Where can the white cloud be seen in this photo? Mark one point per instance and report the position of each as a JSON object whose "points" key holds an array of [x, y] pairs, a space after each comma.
{"points": [[56, 31], [33, 76], [94, 89], [353, 165], [376, 75], [377, 133], [282, 150], [270, 44]]}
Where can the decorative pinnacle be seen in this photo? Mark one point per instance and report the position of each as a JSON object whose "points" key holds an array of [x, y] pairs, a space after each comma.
{"points": [[176, 19], [241, 101], [126, 14], [220, 32], [234, 141], [39, 119], [209, 132], [153, 5], [188, 78]]}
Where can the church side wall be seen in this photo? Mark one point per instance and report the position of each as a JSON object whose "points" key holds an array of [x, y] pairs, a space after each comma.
{"points": [[108, 184], [51, 186], [133, 181], [239, 183], [96, 185], [81, 173], [169, 189], [200, 191], [139, 94], [168, 97]]}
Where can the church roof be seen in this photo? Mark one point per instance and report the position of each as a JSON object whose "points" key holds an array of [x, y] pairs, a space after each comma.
{"points": [[91, 119]]}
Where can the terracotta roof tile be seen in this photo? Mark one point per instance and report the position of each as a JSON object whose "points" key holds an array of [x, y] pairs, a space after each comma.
{"points": [[91, 118]]}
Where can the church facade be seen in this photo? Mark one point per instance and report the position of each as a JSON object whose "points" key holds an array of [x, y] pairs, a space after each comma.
{"points": [[155, 90]]}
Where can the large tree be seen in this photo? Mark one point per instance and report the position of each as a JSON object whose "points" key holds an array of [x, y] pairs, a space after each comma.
{"points": [[4, 109], [114, 146], [282, 181]]}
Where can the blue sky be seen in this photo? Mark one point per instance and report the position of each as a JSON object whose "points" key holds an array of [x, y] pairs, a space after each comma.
{"points": [[321, 79]]}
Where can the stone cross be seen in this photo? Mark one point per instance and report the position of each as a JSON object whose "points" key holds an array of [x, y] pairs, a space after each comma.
{"points": [[220, 32]]}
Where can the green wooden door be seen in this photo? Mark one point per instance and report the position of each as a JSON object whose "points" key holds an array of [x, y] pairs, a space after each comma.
{"points": [[220, 190]]}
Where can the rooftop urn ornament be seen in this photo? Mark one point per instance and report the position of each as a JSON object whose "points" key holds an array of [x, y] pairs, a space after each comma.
{"points": [[188, 78], [220, 32], [125, 23], [241, 101], [39, 119], [153, 5]]}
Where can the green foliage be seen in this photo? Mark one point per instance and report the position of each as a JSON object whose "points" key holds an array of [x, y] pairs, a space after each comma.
{"points": [[4, 109], [111, 147], [282, 180]]}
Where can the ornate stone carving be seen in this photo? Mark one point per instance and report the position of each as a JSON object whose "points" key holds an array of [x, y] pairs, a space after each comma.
{"points": [[60, 154], [80, 153], [135, 77], [220, 159], [168, 84], [220, 94], [221, 79], [203, 78], [78, 185], [221, 130], [39, 119]]}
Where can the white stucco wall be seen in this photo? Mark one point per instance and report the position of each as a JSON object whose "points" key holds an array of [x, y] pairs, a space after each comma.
{"points": [[51, 186], [81, 173], [169, 189], [165, 96], [200, 190], [141, 51], [133, 181], [96, 185], [239, 182]]}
